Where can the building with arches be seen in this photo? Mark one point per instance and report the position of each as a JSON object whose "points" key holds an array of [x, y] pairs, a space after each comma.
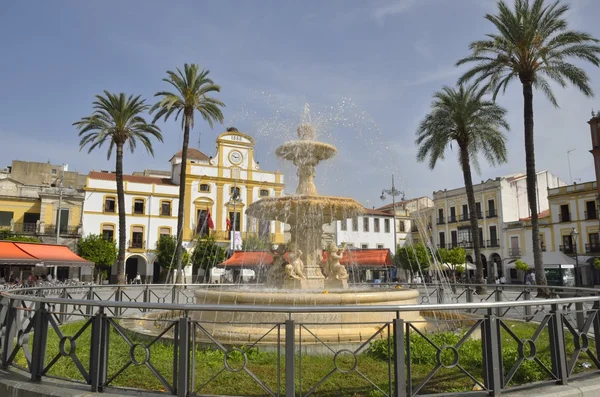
{"points": [[218, 188]]}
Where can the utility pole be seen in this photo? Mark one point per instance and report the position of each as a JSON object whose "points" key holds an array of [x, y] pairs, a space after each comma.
{"points": [[393, 192], [58, 214], [569, 161]]}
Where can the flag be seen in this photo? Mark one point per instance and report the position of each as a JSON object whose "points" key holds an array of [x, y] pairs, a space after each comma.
{"points": [[210, 222], [228, 225]]}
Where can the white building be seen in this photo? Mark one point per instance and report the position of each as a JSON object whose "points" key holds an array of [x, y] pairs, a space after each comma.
{"points": [[221, 187], [499, 201], [371, 230], [406, 223]]}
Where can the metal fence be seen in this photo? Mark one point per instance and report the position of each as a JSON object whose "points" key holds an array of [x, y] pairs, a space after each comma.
{"points": [[565, 327]]}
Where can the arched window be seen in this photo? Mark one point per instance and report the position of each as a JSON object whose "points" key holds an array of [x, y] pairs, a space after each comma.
{"points": [[264, 192]]}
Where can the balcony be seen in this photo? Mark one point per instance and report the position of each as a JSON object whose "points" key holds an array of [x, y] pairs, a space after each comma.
{"points": [[593, 247], [564, 217], [440, 246], [590, 215], [479, 215], [452, 219], [25, 228], [134, 244], [464, 218], [64, 230], [492, 243], [491, 213], [568, 249], [440, 221], [513, 252], [466, 244]]}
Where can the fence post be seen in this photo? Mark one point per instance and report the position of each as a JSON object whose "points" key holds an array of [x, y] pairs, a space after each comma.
{"points": [[96, 353], [440, 294], [9, 332], [38, 355], [491, 354], [597, 326], [146, 296], [469, 296], [89, 310], [63, 306], [118, 298], [399, 377], [557, 345], [527, 297], [183, 374], [579, 315], [290, 358], [174, 295], [498, 298]]}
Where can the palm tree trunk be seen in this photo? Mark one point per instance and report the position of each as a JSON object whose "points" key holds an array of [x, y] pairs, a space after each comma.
{"points": [[180, 209], [540, 275], [122, 218], [466, 167]]}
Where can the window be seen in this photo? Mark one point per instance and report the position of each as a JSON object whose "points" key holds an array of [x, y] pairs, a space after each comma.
{"points": [[53, 171], [109, 204], [234, 192], [543, 242], [138, 206], [386, 225], [481, 242], [454, 238], [365, 224], [565, 216], [514, 246], [442, 240], [108, 232], [401, 226], [164, 231], [478, 210], [376, 225], [264, 229], [204, 187], [465, 212], [234, 221], [64, 219], [590, 210], [464, 236], [202, 223], [137, 237], [264, 192], [5, 218], [165, 208], [594, 245], [355, 224], [452, 217], [440, 216], [344, 225], [493, 237], [380, 246], [364, 246]]}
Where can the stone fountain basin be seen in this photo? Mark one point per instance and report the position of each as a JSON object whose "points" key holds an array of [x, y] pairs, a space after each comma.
{"points": [[346, 328], [306, 151], [321, 209]]}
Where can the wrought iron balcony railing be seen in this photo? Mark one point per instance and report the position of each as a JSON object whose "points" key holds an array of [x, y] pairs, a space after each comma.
{"points": [[590, 215], [440, 221], [513, 252], [64, 230], [133, 244], [452, 219], [492, 213], [25, 228], [564, 217], [492, 243], [592, 248], [568, 249]]}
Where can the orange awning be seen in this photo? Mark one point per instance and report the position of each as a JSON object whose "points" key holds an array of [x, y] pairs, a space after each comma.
{"points": [[359, 257], [13, 253]]}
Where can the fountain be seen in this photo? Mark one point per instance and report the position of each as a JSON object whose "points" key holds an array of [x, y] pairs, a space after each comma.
{"points": [[298, 275]]}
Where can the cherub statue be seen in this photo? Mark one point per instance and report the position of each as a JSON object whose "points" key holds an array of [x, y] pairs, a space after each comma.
{"points": [[295, 268], [334, 269], [276, 271]]}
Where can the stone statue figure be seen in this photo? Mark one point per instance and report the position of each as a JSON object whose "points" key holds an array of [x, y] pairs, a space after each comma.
{"points": [[294, 269], [277, 270], [334, 269]]}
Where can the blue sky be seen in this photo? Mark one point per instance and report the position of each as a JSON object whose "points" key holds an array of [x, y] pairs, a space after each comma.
{"points": [[367, 68]]}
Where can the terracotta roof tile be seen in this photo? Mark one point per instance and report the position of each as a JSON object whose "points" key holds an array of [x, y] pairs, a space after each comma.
{"points": [[193, 154], [110, 176], [543, 214], [377, 212]]}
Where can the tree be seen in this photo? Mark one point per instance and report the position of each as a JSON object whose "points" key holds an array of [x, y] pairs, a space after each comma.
{"points": [[7, 235], [414, 258], [165, 251], [255, 243], [192, 87], [117, 120], [455, 257], [99, 250], [207, 254], [532, 44], [463, 116]]}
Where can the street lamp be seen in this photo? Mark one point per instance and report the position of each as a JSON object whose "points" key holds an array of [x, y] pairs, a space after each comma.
{"points": [[393, 192], [235, 198], [574, 235]]}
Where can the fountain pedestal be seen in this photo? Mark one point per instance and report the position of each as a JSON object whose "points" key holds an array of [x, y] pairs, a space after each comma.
{"points": [[334, 284]]}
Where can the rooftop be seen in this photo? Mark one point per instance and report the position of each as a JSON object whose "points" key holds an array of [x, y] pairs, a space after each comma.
{"points": [[111, 176], [193, 154]]}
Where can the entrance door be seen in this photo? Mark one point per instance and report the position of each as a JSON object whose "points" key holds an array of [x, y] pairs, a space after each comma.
{"points": [[156, 276], [131, 268]]}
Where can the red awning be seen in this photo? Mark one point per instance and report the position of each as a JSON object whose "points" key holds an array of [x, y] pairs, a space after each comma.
{"points": [[32, 254], [359, 257]]}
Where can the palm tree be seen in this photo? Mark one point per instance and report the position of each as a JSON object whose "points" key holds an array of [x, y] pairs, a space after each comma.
{"points": [[474, 123], [117, 120], [532, 44], [192, 87]]}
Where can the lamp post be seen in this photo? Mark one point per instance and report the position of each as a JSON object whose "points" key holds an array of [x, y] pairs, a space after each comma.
{"points": [[574, 235], [59, 213], [235, 196], [393, 192]]}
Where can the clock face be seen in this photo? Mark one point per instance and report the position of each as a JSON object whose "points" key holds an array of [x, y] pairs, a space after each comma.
{"points": [[235, 157]]}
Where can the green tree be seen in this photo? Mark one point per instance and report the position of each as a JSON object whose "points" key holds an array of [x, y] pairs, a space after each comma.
{"points": [[463, 116], [454, 258], [207, 254], [192, 87], [255, 243], [101, 251], [533, 44], [165, 251], [414, 258], [117, 121]]}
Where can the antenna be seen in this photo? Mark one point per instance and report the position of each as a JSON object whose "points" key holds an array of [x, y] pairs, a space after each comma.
{"points": [[569, 161]]}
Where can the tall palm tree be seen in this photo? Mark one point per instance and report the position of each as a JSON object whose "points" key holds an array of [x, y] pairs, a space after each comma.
{"points": [[474, 123], [117, 120], [192, 87], [532, 44]]}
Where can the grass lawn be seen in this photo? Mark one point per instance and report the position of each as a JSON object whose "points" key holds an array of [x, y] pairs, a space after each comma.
{"points": [[211, 377]]}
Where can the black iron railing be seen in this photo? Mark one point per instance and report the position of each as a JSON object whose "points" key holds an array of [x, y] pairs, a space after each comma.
{"points": [[568, 249], [137, 244], [514, 252], [492, 213], [440, 221], [591, 214], [592, 248], [64, 230], [492, 243], [452, 219], [25, 228], [564, 217]]}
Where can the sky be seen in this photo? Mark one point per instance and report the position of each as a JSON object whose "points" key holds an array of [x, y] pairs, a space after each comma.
{"points": [[367, 69]]}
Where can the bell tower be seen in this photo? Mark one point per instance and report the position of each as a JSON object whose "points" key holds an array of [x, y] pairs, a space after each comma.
{"points": [[594, 123]]}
